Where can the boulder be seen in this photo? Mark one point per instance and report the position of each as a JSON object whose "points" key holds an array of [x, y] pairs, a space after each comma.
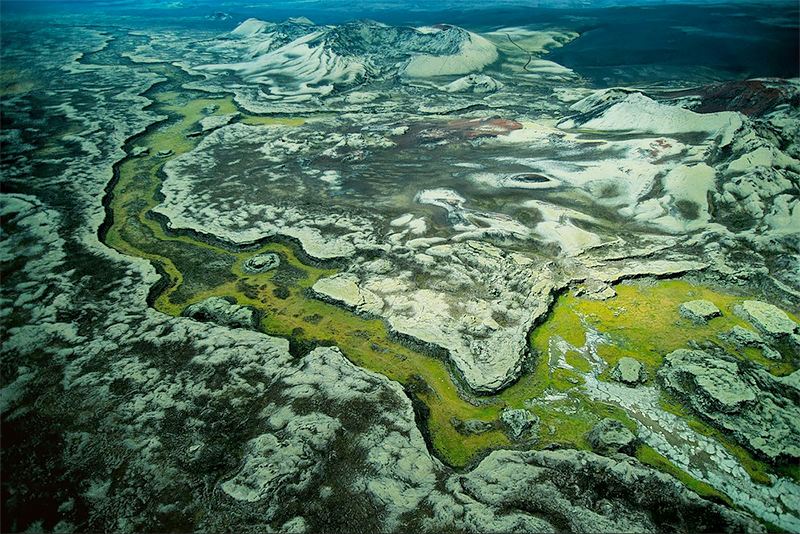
{"points": [[625, 495], [604, 294], [223, 311], [610, 436], [522, 424], [699, 311], [717, 385], [261, 263], [744, 337], [216, 121], [760, 411], [768, 319], [476, 426], [594, 289], [628, 371], [471, 426], [792, 380]]}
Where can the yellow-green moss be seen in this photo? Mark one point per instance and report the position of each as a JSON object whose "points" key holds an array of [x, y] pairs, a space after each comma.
{"points": [[644, 320], [641, 322], [576, 360], [260, 120], [561, 322]]}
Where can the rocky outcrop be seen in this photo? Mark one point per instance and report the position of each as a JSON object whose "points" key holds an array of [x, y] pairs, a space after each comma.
{"points": [[718, 385], [628, 371], [755, 98], [261, 263], [699, 311], [216, 121], [343, 288], [471, 426], [478, 305], [223, 311], [758, 410], [578, 491], [744, 337], [522, 424], [270, 461], [610, 436], [308, 447], [593, 289], [474, 83], [769, 320]]}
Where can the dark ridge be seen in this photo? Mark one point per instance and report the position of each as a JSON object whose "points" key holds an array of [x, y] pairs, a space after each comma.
{"points": [[208, 239], [754, 98], [108, 195], [433, 350], [422, 415], [231, 246], [299, 348], [421, 418], [203, 317], [471, 107], [164, 283]]}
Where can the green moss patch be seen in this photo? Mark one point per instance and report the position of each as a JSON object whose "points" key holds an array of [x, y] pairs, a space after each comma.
{"points": [[641, 322], [576, 360]]}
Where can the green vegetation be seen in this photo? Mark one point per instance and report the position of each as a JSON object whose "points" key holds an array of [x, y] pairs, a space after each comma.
{"points": [[198, 270], [755, 468], [135, 234], [258, 120], [576, 360], [641, 322], [561, 322], [650, 457], [791, 471]]}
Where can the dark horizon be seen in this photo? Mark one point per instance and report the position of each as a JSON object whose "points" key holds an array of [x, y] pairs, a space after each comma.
{"points": [[719, 40]]}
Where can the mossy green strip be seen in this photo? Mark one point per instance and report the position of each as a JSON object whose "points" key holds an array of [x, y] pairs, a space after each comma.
{"points": [[649, 456], [642, 321]]}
